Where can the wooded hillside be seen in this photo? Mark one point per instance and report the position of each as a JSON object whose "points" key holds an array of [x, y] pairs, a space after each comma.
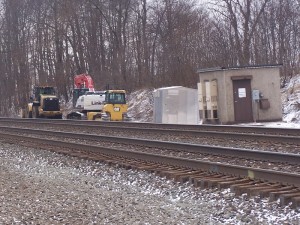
{"points": [[131, 44]]}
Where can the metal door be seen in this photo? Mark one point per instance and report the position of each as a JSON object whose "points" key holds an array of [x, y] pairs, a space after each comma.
{"points": [[242, 100]]}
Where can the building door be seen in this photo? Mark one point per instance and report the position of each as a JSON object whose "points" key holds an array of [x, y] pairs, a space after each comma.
{"points": [[242, 100]]}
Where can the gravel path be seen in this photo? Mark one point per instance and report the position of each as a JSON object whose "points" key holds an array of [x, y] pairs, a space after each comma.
{"points": [[41, 187]]}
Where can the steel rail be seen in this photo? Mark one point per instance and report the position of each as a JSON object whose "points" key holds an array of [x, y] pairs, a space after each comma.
{"points": [[259, 174], [192, 148], [196, 133]]}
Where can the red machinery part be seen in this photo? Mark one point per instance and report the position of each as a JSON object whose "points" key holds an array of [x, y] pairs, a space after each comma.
{"points": [[84, 81]]}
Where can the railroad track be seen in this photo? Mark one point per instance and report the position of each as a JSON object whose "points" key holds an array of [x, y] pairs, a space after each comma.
{"points": [[177, 127], [206, 128], [285, 142], [173, 148], [202, 173]]}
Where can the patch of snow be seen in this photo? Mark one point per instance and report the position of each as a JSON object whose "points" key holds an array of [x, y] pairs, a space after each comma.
{"points": [[141, 105], [273, 124], [290, 96]]}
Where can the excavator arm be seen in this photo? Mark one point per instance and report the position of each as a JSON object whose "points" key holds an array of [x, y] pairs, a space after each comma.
{"points": [[84, 81]]}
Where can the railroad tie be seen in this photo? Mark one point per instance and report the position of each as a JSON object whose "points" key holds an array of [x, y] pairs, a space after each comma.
{"points": [[129, 164], [275, 195], [101, 157], [185, 177], [110, 162], [214, 182], [161, 169], [155, 168], [196, 179], [203, 181], [296, 202], [125, 165], [266, 193], [258, 190], [147, 166], [142, 165], [287, 198], [234, 187], [244, 189], [171, 173], [197, 175], [228, 184]]}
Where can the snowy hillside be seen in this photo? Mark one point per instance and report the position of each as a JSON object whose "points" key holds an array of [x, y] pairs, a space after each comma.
{"points": [[141, 105], [291, 100]]}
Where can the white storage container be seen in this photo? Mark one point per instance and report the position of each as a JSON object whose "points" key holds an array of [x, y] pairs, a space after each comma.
{"points": [[176, 105]]}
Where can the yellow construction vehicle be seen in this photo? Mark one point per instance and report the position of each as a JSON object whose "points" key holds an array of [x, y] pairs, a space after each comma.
{"points": [[109, 105], [44, 104], [101, 105], [115, 107]]}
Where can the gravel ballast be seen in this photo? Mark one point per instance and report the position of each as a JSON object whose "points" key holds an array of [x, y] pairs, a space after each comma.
{"points": [[41, 187]]}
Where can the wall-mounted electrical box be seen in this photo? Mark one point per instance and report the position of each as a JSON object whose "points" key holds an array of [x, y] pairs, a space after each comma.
{"points": [[255, 95], [264, 103]]}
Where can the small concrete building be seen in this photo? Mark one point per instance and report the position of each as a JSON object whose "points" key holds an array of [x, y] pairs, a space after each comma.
{"points": [[240, 94], [176, 105]]}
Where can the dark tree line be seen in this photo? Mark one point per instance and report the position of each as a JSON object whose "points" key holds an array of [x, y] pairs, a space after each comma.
{"points": [[132, 44]]}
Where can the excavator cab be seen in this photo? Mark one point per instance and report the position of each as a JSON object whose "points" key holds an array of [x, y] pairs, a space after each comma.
{"points": [[77, 93], [82, 84]]}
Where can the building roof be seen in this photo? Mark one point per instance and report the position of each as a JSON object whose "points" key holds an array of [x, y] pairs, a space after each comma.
{"points": [[237, 68]]}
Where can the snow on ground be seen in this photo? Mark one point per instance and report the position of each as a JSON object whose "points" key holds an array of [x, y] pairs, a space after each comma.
{"points": [[291, 101], [282, 124], [141, 105], [43, 187]]}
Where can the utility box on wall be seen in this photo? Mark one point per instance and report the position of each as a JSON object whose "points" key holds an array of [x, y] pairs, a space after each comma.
{"points": [[176, 105]]}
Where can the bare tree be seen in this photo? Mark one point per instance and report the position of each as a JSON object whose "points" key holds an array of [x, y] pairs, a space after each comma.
{"points": [[243, 17], [138, 43]]}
